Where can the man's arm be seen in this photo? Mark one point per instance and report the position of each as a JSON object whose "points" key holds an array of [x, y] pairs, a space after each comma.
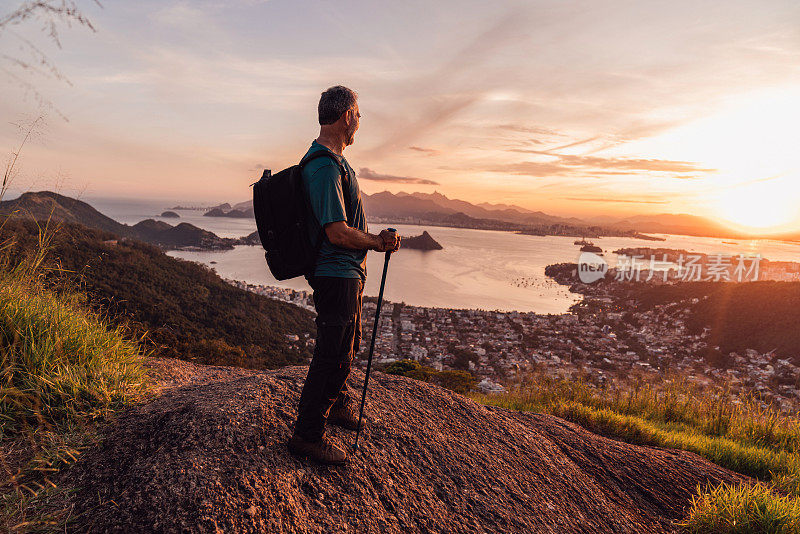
{"points": [[342, 235], [327, 202]]}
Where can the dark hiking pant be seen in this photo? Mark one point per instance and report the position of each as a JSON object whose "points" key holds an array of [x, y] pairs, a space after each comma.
{"points": [[338, 304]]}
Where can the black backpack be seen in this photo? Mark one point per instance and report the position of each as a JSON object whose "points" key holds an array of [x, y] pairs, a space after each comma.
{"points": [[283, 212]]}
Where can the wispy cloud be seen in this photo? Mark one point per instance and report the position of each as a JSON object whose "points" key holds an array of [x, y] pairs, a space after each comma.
{"points": [[573, 144], [447, 91], [572, 165], [527, 129], [615, 200], [428, 151], [368, 174], [656, 165]]}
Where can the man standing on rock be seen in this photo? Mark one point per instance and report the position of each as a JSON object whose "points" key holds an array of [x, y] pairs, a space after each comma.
{"points": [[337, 281]]}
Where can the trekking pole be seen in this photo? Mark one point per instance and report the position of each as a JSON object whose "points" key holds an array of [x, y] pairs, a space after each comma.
{"points": [[372, 342]]}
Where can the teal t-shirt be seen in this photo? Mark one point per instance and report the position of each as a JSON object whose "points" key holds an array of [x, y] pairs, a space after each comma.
{"points": [[324, 185]]}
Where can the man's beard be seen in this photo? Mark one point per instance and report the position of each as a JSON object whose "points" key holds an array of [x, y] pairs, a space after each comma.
{"points": [[351, 138]]}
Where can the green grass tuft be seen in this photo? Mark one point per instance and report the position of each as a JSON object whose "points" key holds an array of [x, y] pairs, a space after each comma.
{"points": [[736, 433], [59, 362], [742, 509]]}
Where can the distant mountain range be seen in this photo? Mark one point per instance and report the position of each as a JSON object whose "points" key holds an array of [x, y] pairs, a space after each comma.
{"points": [[386, 204], [437, 209], [433, 207]]}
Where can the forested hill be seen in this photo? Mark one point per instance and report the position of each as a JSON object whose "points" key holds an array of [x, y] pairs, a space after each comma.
{"points": [[760, 315], [44, 205], [189, 311]]}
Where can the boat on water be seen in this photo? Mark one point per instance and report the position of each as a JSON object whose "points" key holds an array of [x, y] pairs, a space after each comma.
{"points": [[591, 248], [588, 246]]}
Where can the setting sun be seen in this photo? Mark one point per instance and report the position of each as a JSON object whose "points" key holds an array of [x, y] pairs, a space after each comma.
{"points": [[748, 145], [763, 205]]}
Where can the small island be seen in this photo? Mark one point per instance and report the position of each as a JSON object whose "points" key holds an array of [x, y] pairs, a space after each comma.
{"points": [[170, 215], [184, 236], [234, 213], [420, 242], [215, 212], [252, 240]]}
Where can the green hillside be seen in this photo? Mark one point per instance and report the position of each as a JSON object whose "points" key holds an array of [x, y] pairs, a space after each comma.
{"points": [[188, 311]]}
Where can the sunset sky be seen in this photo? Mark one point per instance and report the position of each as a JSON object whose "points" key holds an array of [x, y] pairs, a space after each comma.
{"points": [[571, 107]]}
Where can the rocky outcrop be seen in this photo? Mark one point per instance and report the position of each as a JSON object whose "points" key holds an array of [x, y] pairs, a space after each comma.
{"points": [[591, 247], [209, 455], [420, 242]]}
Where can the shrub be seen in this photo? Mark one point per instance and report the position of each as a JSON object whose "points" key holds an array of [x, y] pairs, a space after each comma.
{"points": [[411, 369], [458, 381]]}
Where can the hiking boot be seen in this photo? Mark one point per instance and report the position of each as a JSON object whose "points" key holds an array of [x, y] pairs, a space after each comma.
{"points": [[346, 417], [323, 450]]}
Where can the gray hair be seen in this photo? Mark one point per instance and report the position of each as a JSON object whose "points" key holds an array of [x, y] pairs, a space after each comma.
{"points": [[334, 102]]}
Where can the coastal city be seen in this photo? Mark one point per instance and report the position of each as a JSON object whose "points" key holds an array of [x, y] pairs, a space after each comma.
{"points": [[612, 345]]}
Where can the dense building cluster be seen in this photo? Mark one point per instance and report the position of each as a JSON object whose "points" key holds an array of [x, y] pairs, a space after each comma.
{"points": [[607, 344]]}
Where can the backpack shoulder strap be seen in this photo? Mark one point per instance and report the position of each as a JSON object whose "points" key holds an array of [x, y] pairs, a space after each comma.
{"points": [[342, 174]]}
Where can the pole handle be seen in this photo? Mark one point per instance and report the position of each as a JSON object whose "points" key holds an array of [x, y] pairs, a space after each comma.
{"points": [[388, 252]]}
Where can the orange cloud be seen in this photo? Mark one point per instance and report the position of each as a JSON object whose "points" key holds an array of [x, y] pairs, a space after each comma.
{"points": [[368, 174]]}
